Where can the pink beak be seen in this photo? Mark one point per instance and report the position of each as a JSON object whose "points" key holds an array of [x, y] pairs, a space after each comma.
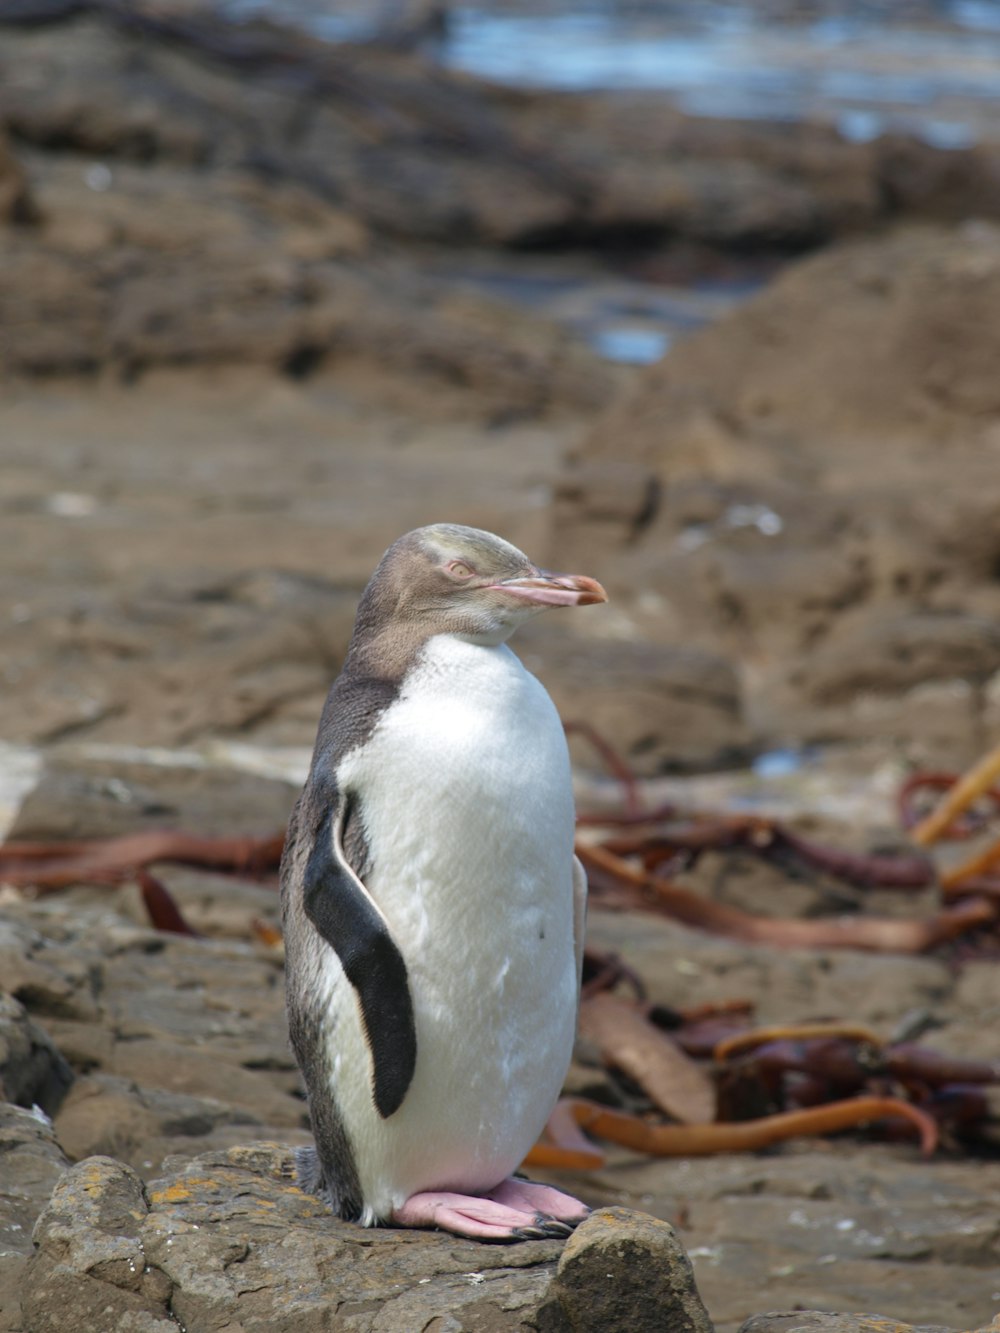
{"points": [[545, 589]]}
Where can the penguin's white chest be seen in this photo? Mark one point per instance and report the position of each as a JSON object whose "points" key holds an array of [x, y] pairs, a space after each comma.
{"points": [[465, 797]]}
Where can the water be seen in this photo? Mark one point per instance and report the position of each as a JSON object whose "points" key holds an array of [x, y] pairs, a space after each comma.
{"points": [[868, 68], [332, 22], [631, 344], [858, 71], [624, 317]]}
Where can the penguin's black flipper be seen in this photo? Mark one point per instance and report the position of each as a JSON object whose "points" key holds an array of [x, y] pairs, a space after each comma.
{"points": [[346, 916]]}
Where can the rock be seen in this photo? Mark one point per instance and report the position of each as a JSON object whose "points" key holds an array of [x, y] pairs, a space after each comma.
{"points": [[187, 1045], [624, 1270], [185, 1052], [194, 229], [939, 721], [890, 653], [231, 282], [207, 211], [416, 151], [110, 1116], [32, 1164], [50, 981], [807, 487], [16, 201], [32, 1071], [228, 1239], [130, 644], [805, 1321], [90, 796], [89, 1269], [664, 706]]}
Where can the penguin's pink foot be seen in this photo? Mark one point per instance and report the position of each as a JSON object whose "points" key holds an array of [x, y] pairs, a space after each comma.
{"points": [[510, 1212], [559, 1212]]}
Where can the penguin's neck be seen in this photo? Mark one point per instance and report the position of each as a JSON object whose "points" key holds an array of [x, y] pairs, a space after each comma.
{"points": [[491, 638], [392, 652], [460, 662]]}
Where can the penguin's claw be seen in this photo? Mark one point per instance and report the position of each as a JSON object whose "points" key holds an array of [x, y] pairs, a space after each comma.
{"points": [[553, 1227]]}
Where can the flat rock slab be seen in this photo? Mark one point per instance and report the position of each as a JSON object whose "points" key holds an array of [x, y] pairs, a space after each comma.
{"points": [[805, 1321], [228, 1241], [830, 1225]]}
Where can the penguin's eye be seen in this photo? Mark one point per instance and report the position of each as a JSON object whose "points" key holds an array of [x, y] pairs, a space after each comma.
{"points": [[458, 569]]}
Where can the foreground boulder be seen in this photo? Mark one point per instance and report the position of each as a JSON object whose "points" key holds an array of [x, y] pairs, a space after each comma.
{"points": [[626, 1270], [32, 1164], [229, 1241]]}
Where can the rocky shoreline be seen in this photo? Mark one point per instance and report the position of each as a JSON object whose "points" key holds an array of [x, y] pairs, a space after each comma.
{"points": [[242, 228], [237, 359], [160, 1060]]}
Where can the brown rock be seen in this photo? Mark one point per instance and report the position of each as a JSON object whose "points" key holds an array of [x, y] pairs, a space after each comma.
{"points": [[888, 653], [809, 488], [188, 1041], [805, 1321], [17, 204], [822, 1224], [109, 1116], [228, 1241], [49, 980], [662, 706], [137, 303], [624, 1270], [80, 796], [89, 1269], [32, 1164], [417, 151], [179, 1068], [32, 1071]]}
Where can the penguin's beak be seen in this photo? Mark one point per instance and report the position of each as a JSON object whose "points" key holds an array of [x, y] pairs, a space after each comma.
{"points": [[545, 589]]}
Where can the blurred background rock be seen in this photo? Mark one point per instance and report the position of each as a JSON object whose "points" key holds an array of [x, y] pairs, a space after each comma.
{"points": [[703, 299]]}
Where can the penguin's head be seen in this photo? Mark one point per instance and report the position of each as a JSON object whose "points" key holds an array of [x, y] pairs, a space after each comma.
{"points": [[449, 579]]}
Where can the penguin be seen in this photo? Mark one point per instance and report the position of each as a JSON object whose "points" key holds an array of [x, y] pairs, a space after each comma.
{"points": [[432, 906]]}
